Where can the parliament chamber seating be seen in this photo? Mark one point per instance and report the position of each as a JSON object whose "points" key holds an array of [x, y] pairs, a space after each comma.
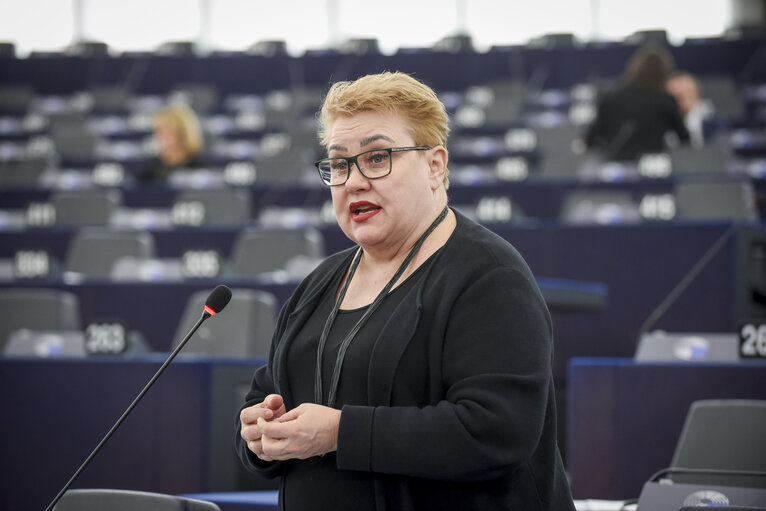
{"points": [[608, 241]]}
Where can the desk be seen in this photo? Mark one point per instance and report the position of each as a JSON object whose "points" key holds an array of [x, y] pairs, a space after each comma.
{"points": [[179, 439], [624, 418]]}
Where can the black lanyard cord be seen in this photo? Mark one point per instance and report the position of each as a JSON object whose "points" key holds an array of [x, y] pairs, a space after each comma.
{"points": [[373, 306]]}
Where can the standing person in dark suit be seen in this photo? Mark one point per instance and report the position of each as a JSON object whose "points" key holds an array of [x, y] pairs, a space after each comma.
{"points": [[695, 111], [633, 118], [412, 371]]}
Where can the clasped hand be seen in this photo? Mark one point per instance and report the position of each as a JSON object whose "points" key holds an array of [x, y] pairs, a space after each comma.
{"points": [[272, 433]]}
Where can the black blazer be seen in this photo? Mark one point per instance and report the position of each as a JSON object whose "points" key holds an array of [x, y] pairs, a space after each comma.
{"points": [[461, 411], [632, 120]]}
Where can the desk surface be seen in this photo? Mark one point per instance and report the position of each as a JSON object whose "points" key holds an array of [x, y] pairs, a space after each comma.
{"points": [[241, 501]]}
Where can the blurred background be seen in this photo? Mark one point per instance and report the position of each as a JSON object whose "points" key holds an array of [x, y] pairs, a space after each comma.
{"points": [[150, 150], [43, 25]]}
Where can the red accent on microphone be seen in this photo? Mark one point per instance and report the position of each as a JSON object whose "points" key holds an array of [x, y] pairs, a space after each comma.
{"points": [[209, 310]]}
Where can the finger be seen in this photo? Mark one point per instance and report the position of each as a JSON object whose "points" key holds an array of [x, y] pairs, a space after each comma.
{"points": [[257, 448], [251, 414], [275, 449], [289, 416], [250, 433], [273, 429], [273, 401]]}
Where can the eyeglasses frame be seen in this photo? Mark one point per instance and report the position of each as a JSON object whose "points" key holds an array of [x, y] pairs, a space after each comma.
{"points": [[355, 161]]}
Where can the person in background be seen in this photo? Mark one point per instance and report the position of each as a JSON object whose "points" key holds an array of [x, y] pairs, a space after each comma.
{"points": [[412, 371], [179, 140], [684, 87], [633, 118]]}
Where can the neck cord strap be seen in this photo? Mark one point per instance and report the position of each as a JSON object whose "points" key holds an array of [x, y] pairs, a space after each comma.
{"points": [[318, 398]]}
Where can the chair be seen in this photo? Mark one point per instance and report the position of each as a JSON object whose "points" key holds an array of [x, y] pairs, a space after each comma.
{"points": [[176, 49], [715, 200], [562, 165], [224, 207], [508, 101], [243, 330], [93, 251], [7, 49], [87, 49], [725, 435], [15, 99], [128, 500], [77, 147], [723, 93], [85, 207], [282, 168], [38, 309], [23, 170], [557, 139], [268, 48], [201, 98], [109, 99], [258, 251], [698, 160], [719, 438]]}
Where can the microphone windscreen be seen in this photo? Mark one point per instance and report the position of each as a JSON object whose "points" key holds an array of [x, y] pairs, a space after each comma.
{"points": [[218, 299]]}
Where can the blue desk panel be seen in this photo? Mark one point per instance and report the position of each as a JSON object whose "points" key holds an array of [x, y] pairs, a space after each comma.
{"points": [[624, 418], [241, 501], [179, 438]]}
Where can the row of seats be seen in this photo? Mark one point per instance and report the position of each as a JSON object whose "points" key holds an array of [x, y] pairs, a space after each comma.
{"points": [[691, 198], [130, 255], [519, 155], [44, 322], [489, 121]]}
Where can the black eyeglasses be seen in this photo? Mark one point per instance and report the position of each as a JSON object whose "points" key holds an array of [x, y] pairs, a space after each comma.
{"points": [[373, 164]]}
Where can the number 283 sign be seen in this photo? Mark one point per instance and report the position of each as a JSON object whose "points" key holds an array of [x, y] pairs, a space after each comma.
{"points": [[752, 340]]}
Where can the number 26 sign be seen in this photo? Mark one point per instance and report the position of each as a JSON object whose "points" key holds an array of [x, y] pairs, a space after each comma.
{"points": [[752, 340]]}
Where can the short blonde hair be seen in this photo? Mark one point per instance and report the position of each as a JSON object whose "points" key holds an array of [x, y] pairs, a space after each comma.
{"points": [[389, 92], [184, 121]]}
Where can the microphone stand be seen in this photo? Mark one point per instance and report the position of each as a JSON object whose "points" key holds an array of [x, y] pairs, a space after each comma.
{"points": [[170, 358]]}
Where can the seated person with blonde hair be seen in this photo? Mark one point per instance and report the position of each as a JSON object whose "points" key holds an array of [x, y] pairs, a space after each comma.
{"points": [[179, 138]]}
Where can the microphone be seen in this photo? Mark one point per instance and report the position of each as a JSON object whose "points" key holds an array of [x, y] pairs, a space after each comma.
{"points": [[215, 303]]}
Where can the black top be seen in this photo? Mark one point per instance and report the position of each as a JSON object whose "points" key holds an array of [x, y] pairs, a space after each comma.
{"points": [[155, 171], [632, 121], [459, 411], [318, 479]]}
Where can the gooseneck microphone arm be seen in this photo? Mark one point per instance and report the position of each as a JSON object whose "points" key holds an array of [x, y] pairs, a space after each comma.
{"points": [[217, 300], [686, 281]]}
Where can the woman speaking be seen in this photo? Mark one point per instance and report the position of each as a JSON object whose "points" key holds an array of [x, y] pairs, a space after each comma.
{"points": [[412, 371]]}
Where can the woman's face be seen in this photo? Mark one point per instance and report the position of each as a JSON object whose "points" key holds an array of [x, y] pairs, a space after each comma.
{"points": [[169, 140], [391, 212]]}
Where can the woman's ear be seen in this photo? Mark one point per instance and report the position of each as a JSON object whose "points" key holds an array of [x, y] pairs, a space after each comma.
{"points": [[437, 160]]}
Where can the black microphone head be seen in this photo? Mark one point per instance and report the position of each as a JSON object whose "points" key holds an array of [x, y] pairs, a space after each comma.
{"points": [[217, 300]]}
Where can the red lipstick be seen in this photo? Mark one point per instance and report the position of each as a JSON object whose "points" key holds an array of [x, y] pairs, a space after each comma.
{"points": [[363, 210]]}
